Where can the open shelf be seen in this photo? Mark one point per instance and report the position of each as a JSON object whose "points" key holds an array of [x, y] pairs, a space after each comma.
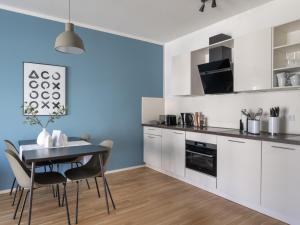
{"points": [[288, 69], [286, 87], [287, 46], [227, 43]]}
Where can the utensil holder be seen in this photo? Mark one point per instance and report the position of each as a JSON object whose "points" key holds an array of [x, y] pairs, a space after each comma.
{"points": [[274, 125], [254, 126]]}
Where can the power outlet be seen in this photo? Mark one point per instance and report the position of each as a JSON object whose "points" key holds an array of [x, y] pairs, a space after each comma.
{"points": [[291, 117]]}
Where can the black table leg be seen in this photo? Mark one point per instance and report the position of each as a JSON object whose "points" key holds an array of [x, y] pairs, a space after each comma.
{"points": [[103, 179], [31, 191]]}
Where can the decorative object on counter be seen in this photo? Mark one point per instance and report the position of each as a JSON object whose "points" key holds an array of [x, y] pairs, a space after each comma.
{"points": [[244, 120], [295, 79], [197, 119], [250, 122], [44, 87], [274, 121], [44, 138], [187, 119], [281, 79], [254, 127]]}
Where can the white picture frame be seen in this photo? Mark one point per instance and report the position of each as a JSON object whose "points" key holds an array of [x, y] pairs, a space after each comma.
{"points": [[44, 87]]}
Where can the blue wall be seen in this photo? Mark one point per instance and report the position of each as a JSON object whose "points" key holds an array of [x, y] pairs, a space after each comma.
{"points": [[105, 85]]}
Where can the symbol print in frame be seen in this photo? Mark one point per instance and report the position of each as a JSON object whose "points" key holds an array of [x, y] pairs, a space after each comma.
{"points": [[44, 87]]}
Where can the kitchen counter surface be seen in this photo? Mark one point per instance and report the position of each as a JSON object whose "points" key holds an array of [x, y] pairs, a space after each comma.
{"points": [[263, 136]]}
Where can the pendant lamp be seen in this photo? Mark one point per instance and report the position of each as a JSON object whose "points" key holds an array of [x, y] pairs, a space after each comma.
{"points": [[68, 41]]}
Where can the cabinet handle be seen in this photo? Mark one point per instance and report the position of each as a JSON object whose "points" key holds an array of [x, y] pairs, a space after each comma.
{"points": [[241, 142], [197, 153], [151, 129], [285, 148], [177, 133]]}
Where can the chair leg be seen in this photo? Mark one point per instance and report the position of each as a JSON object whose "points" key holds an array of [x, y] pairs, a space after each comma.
{"points": [[77, 199], [15, 195], [67, 206], [24, 203], [12, 186], [58, 195], [87, 183], [53, 191], [97, 187], [112, 201], [18, 204]]}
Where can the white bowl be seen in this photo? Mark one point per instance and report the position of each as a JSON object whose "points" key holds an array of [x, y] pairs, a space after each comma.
{"points": [[295, 80]]}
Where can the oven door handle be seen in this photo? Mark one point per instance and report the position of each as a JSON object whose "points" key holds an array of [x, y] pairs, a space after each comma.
{"points": [[197, 153]]}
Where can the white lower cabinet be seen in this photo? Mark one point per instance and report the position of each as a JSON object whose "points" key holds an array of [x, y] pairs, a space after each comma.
{"points": [[281, 180], [152, 149], [239, 170], [173, 152]]}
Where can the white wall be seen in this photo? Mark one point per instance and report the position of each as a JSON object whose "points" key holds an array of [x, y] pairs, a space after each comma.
{"points": [[224, 110]]}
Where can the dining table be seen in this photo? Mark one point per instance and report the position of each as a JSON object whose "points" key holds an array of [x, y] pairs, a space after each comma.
{"points": [[37, 154]]}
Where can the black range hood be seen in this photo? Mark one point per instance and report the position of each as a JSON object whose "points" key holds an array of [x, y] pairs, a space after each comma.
{"points": [[217, 75]]}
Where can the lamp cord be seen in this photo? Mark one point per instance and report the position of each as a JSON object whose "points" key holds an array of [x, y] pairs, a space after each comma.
{"points": [[69, 11]]}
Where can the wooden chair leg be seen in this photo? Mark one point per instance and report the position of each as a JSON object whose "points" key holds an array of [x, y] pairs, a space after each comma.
{"points": [[112, 201], [97, 187], [18, 204], [12, 186], [15, 195], [24, 203]]}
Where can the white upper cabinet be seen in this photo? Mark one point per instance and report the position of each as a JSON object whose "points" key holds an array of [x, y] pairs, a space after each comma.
{"points": [[253, 61], [185, 77], [281, 180], [239, 169]]}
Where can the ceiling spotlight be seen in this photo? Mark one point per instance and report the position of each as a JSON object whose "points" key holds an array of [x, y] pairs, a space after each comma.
{"points": [[214, 4], [202, 7]]}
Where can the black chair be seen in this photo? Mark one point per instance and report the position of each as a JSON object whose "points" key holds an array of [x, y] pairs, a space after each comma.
{"points": [[91, 170]]}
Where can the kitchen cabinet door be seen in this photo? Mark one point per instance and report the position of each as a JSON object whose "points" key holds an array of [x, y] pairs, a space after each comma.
{"points": [[253, 61], [239, 169], [281, 180], [152, 150], [173, 152], [185, 76]]}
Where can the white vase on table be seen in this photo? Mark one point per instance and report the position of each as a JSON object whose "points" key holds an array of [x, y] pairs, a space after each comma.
{"points": [[43, 138]]}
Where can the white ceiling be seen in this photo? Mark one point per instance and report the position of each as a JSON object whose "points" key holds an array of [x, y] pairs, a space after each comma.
{"points": [[158, 21]]}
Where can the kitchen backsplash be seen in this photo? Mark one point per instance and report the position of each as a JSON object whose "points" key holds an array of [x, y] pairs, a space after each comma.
{"points": [[225, 110]]}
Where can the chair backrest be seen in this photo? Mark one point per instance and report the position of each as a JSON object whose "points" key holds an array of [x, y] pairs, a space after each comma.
{"points": [[108, 144], [20, 171], [9, 145], [94, 161]]}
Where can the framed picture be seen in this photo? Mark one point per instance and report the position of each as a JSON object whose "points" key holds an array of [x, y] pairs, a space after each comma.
{"points": [[44, 87]]}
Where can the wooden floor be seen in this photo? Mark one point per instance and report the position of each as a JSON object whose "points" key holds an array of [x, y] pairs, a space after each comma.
{"points": [[143, 197]]}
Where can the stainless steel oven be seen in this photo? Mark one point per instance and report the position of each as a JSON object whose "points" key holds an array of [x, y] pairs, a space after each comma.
{"points": [[201, 157]]}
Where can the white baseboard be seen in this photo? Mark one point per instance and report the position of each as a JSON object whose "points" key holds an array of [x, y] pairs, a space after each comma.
{"points": [[4, 191], [108, 172], [124, 169]]}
